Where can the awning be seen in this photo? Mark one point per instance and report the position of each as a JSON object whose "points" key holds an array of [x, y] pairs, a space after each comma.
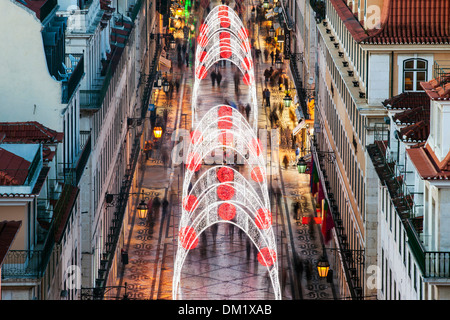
{"points": [[63, 209], [164, 64], [299, 127], [8, 231]]}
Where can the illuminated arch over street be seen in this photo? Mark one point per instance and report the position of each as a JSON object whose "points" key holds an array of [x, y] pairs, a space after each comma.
{"points": [[223, 194], [224, 41], [220, 193]]}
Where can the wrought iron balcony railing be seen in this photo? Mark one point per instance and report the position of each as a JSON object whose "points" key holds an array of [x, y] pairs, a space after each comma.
{"points": [[433, 264], [22, 264]]}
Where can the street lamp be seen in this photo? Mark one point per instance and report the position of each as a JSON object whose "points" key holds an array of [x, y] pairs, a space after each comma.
{"points": [[323, 267], [266, 4], [157, 132], [272, 31], [278, 63], [172, 43], [287, 100], [166, 86], [142, 209], [301, 165]]}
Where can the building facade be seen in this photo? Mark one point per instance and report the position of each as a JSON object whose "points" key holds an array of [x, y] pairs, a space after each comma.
{"points": [[90, 67], [363, 57]]}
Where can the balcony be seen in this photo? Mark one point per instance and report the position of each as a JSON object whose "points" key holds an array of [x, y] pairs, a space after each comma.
{"points": [[74, 171], [72, 78], [433, 264], [20, 264], [90, 100], [441, 72], [84, 20]]}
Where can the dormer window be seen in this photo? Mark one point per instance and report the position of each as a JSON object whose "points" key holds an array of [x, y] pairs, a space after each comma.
{"points": [[414, 72]]}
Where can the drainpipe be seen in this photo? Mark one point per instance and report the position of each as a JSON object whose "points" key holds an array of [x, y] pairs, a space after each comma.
{"points": [[392, 74]]}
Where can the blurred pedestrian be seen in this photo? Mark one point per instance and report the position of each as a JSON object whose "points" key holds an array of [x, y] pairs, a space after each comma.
{"points": [[214, 228], [272, 56], [155, 205], [296, 210], [147, 149], [236, 82], [311, 223], [266, 54], [165, 158], [298, 265], [165, 207], [219, 78], [247, 110], [149, 211], [267, 97], [213, 77], [285, 161], [266, 75]]}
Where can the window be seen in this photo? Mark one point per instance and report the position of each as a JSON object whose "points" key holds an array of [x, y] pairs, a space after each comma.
{"points": [[414, 72]]}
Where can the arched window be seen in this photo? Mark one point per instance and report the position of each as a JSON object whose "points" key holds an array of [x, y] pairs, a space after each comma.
{"points": [[414, 72]]}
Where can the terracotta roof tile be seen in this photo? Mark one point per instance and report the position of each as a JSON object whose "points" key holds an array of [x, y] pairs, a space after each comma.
{"points": [[411, 116], [417, 132], [402, 22], [407, 100], [439, 88], [427, 164], [13, 169], [30, 131]]}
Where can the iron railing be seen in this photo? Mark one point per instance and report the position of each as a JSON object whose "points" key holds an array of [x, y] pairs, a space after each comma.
{"points": [[90, 100], [433, 264], [441, 72], [22, 264], [301, 93], [83, 159], [352, 259], [74, 80]]}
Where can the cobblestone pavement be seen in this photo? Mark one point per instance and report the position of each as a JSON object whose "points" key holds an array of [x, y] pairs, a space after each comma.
{"points": [[224, 268]]}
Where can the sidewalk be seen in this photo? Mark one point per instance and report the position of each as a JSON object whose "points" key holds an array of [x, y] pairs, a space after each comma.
{"points": [[294, 187]]}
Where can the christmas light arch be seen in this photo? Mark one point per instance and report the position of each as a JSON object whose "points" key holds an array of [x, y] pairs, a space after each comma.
{"points": [[213, 46], [221, 194]]}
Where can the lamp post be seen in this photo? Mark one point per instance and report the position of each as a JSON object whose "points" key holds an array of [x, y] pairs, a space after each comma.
{"points": [[272, 31], [323, 267], [287, 100], [166, 86], [301, 165], [142, 209], [278, 63], [266, 4], [157, 132]]}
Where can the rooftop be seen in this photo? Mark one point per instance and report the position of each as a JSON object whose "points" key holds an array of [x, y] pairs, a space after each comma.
{"points": [[28, 132], [427, 165], [13, 169], [402, 22], [407, 100], [439, 88]]}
